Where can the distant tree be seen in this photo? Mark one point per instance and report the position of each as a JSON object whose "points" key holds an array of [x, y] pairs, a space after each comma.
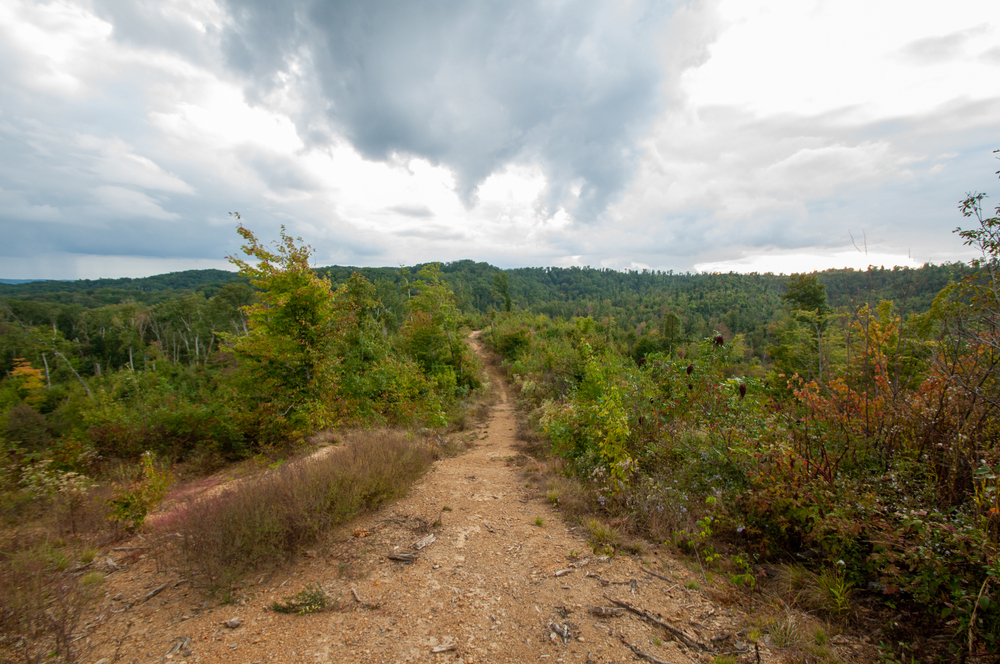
{"points": [[431, 334], [501, 285], [806, 300], [671, 329]]}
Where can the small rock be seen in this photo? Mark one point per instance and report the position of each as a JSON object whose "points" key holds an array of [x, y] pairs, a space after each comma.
{"points": [[233, 623]]}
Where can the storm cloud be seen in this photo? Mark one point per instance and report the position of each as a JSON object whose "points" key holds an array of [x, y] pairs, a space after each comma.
{"points": [[572, 85]]}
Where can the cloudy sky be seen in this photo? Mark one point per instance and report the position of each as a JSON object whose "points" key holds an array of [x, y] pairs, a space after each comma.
{"points": [[778, 135]]}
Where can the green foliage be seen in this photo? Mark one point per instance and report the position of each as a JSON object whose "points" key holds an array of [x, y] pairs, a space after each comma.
{"points": [[130, 504], [286, 363], [592, 427], [27, 428], [432, 336], [311, 600], [174, 411], [501, 284]]}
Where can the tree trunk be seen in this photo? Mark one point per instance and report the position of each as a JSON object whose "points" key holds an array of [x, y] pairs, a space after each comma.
{"points": [[48, 380]]}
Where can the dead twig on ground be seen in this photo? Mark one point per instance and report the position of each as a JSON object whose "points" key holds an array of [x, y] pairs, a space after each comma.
{"points": [[650, 617], [641, 654], [364, 604], [657, 575], [606, 582]]}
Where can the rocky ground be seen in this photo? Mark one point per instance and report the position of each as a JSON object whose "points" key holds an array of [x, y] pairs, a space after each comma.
{"points": [[500, 577]]}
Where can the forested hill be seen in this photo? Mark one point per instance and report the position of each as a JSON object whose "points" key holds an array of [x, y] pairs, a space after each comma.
{"points": [[552, 290], [99, 292], [738, 303], [639, 301]]}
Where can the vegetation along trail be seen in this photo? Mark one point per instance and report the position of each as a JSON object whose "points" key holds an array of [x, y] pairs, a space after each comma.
{"points": [[499, 577]]}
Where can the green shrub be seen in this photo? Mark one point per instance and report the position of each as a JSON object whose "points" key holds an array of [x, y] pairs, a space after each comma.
{"points": [[27, 428], [311, 600], [130, 504]]}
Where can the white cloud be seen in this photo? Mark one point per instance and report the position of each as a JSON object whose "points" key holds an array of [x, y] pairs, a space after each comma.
{"points": [[122, 202], [814, 56], [808, 259], [218, 116], [118, 163], [54, 43]]}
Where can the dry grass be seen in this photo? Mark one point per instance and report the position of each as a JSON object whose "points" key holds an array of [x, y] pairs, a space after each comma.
{"points": [[44, 593], [799, 636], [261, 523]]}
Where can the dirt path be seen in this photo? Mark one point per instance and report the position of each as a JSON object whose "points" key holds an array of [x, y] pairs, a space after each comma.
{"points": [[503, 578]]}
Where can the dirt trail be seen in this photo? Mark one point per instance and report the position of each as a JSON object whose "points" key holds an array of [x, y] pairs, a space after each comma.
{"points": [[495, 584]]}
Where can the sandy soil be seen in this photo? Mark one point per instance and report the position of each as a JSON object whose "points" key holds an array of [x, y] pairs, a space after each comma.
{"points": [[506, 580]]}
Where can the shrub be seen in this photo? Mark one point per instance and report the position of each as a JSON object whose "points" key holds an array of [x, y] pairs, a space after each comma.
{"points": [[311, 600], [42, 602], [130, 505], [260, 523], [27, 428]]}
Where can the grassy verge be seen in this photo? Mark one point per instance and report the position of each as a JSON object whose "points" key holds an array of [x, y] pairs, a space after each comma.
{"points": [[261, 523]]}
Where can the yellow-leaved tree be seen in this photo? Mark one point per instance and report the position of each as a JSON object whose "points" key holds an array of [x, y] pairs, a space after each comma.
{"points": [[286, 374]]}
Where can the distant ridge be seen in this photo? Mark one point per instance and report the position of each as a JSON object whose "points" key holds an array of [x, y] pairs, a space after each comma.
{"points": [[554, 291], [28, 281], [114, 290]]}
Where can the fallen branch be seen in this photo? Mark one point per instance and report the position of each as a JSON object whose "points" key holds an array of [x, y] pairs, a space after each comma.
{"points": [[605, 611], [153, 593], [657, 575], [648, 616], [605, 582], [641, 654]]}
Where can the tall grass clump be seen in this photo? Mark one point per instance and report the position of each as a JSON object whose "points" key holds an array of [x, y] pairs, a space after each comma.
{"points": [[262, 522], [43, 599]]}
